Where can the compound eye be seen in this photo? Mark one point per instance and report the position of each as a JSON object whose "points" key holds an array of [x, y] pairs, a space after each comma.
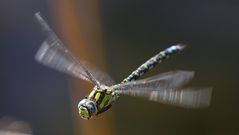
{"points": [[91, 107], [81, 103]]}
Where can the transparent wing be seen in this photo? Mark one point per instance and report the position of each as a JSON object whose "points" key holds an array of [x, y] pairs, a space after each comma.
{"points": [[54, 54], [173, 79], [101, 76], [56, 58], [194, 97]]}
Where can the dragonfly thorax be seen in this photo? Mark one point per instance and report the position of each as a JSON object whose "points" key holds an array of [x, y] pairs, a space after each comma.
{"points": [[102, 88]]}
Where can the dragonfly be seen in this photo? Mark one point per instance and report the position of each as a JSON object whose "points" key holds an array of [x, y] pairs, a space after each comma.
{"points": [[166, 88]]}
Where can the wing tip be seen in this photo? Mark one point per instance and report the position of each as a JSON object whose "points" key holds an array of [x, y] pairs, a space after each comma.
{"points": [[203, 99], [40, 20], [190, 73], [196, 97], [38, 17], [206, 96], [37, 14]]}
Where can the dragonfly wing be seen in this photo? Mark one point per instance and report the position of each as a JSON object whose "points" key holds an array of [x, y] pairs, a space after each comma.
{"points": [[54, 54], [101, 76], [56, 58], [194, 97], [173, 79]]}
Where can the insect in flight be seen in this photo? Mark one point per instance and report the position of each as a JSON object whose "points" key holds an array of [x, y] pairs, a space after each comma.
{"points": [[164, 88]]}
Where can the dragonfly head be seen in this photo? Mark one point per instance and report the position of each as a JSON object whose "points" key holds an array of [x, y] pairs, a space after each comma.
{"points": [[87, 108]]}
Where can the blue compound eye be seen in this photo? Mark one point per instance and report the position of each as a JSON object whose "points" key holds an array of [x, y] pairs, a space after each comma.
{"points": [[91, 107]]}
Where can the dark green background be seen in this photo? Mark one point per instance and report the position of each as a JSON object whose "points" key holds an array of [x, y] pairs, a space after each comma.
{"points": [[134, 30]]}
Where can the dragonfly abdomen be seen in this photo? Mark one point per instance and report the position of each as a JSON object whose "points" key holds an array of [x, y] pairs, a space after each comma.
{"points": [[151, 63]]}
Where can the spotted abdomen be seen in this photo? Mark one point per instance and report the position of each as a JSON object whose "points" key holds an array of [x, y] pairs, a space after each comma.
{"points": [[151, 63]]}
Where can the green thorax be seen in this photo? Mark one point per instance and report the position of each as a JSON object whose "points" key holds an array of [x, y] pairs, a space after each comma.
{"points": [[103, 99]]}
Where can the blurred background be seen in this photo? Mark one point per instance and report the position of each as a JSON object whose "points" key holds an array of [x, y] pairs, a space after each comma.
{"points": [[118, 36]]}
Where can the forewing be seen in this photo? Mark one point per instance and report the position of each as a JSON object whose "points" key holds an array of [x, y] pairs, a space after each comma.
{"points": [[54, 54], [101, 76], [194, 97], [173, 79], [56, 58]]}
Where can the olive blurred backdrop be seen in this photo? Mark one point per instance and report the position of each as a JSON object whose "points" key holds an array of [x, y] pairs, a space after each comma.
{"points": [[118, 36]]}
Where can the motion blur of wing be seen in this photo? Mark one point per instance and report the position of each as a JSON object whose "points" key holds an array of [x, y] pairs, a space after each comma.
{"points": [[194, 97], [167, 88], [54, 54], [101, 76], [172, 79]]}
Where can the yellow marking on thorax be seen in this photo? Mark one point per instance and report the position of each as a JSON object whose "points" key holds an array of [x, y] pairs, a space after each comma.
{"points": [[95, 95], [91, 94]]}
